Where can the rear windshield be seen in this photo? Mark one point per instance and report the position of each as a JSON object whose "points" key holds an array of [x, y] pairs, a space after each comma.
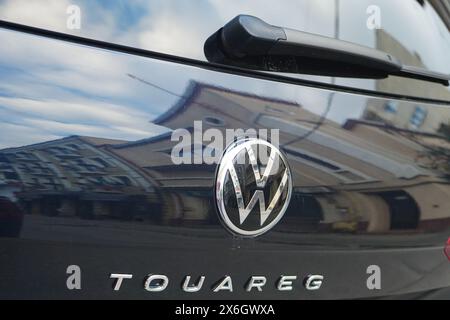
{"points": [[415, 31]]}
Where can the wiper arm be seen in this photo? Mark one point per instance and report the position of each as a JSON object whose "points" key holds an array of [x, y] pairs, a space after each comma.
{"points": [[249, 42]]}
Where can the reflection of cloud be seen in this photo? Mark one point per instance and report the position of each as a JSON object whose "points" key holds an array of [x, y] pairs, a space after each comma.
{"points": [[50, 15], [66, 129], [96, 18], [65, 111], [50, 110], [21, 135], [61, 118], [171, 26], [56, 89], [64, 89], [181, 26], [61, 64], [79, 90], [310, 16]]}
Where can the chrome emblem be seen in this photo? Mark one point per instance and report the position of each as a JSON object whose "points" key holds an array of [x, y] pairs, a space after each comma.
{"points": [[252, 171]]}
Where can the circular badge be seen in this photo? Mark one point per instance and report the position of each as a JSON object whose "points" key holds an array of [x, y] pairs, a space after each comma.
{"points": [[253, 187]]}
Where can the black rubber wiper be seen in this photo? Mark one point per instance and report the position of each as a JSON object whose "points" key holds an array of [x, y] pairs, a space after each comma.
{"points": [[249, 42]]}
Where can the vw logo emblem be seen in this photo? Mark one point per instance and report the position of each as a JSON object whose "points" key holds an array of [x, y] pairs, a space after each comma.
{"points": [[253, 187]]}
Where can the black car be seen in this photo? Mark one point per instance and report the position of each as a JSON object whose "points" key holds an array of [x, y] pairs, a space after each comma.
{"points": [[225, 149]]}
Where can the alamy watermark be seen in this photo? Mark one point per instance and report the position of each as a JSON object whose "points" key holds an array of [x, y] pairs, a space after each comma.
{"points": [[374, 280], [374, 19], [73, 281], [200, 146], [73, 21]]}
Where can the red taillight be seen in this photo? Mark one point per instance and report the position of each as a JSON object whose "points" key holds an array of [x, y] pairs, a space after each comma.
{"points": [[447, 249]]}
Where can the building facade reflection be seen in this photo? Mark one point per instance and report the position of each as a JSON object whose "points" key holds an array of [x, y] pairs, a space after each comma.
{"points": [[364, 176]]}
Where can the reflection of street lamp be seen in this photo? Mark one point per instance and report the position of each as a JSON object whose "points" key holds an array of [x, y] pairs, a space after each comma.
{"points": [[323, 116], [336, 19], [336, 36]]}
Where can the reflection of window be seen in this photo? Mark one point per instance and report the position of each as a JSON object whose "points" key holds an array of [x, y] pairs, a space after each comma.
{"points": [[391, 107], [213, 121], [71, 168], [101, 162], [341, 172], [351, 176], [124, 180], [84, 165], [4, 166], [25, 156], [403, 209], [61, 151], [49, 181], [11, 175], [315, 160], [73, 146], [97, 181], [418, 117], [4, 159]]}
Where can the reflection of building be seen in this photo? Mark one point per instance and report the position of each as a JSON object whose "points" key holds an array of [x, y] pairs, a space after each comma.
{"points": [[411, 130], [357, 177], [422, 196], [70, 176], [402, 114], [364, 176], [442, 8]]}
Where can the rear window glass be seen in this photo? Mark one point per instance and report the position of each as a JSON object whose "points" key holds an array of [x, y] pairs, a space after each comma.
{"points": [[415, 31]]}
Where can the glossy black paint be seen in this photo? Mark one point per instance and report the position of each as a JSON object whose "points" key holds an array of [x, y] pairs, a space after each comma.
{"points": [[85, 161]]}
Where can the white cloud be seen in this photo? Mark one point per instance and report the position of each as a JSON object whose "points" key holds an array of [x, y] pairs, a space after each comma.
{"points": [[50, 14], [22, 135]]}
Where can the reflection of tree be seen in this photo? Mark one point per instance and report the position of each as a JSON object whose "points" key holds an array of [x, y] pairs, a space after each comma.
{"points": [[438, 156]]}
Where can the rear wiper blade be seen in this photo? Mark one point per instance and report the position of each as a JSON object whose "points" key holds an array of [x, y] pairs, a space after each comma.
{"points": [[249, 42]]}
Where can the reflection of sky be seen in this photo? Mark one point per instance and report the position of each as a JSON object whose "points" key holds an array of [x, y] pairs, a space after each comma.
{"points": [[172, 26], [50, 89], [72, 90], [181, 26], [417, 28]]}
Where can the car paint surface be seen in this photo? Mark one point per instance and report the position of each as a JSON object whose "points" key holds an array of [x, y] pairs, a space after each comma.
{"points": [[86, 137]]}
